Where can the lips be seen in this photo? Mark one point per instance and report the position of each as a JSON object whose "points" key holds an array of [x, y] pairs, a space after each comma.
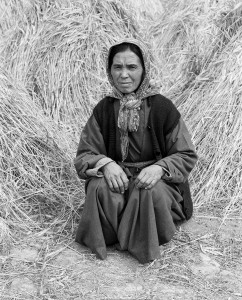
{"points": [[125, 83]]}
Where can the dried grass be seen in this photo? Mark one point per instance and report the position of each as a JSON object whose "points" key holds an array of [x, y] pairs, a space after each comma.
{"points": [[38, 179], [200, 62], [62, 69]]}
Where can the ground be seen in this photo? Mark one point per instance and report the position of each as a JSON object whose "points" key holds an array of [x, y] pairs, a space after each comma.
{"points": [[203, 261]]}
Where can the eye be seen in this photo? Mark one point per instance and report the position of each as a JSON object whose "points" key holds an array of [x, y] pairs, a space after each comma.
{"points": [[117, 67], [133, 67]]}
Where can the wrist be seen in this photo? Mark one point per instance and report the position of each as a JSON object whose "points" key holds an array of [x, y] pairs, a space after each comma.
{"points": [[161, 171], [108, 163]]}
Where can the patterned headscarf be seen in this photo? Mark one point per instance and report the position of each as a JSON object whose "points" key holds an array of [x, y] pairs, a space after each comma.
{"points": [[128, 118]]}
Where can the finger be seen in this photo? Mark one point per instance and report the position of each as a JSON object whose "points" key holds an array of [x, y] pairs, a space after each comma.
{"points": [[139, 178], [147, 182], [125, 181], [115, 185], [120, 185], [142, 183], [149, 186], [110, 184], [153, 183]]}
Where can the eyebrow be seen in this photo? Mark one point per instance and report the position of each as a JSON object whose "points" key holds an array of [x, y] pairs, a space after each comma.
{"points": [[120, 64]]}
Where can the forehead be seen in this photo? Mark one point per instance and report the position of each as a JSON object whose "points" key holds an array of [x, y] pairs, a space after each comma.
{"points": [[127, 56]]}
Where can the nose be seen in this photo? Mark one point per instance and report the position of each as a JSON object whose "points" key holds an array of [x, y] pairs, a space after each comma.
{"points": [[124, 73]]}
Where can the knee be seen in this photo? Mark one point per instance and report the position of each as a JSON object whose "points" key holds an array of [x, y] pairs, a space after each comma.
{"points": [[96, 188], [164, 189], [159, 189], [161, 185], [96, 184], [105, 196], [161, 194]]}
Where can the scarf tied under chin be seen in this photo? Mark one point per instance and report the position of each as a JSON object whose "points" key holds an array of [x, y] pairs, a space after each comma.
{"points": [[128, 120]]}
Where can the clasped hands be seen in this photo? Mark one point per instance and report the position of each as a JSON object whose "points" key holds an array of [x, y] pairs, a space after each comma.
{"points": [[118, 181]]}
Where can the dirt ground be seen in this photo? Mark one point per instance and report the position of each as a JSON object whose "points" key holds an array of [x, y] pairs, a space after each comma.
{"points": [[203, 261]]}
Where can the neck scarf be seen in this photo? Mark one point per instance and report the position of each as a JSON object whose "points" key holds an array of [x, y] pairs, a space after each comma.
{"points": [[128, 118]]}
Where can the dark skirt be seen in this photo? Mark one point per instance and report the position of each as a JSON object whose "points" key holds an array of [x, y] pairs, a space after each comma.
{"points": [[138, 221]]}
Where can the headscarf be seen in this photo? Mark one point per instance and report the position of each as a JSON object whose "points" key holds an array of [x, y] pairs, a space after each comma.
{"points": [[128, 117]]}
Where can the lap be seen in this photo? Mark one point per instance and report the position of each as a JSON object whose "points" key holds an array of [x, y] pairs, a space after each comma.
{"points": [[161, 192]]}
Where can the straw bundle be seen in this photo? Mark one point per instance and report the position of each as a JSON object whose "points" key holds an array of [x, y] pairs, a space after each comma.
{"points": [[200, 53], [35, 162], [147, 11], [56, 62], [218, 130], [65, 57]]}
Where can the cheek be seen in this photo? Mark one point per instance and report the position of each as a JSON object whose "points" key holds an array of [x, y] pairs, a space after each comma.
{"points": [[140, 76], [114, 75]]}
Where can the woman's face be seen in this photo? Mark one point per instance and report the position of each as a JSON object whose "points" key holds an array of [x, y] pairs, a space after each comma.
{"points": [[126, 71]]}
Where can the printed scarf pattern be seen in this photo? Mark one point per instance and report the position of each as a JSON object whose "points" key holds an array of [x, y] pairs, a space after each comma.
{"points": [[128, 120]]}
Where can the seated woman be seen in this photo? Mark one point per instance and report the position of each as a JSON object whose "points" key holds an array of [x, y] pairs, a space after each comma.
{"points": [[135, 153]]}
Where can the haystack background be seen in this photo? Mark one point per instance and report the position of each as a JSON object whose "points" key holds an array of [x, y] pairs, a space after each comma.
{"points": [[52, 73]]}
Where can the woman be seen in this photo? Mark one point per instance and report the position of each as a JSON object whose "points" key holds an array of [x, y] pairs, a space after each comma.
{"points": [[136, 154]]}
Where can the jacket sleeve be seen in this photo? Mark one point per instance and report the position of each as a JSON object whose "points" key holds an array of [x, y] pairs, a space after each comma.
{"points": [[91, 153], [181, 156]]}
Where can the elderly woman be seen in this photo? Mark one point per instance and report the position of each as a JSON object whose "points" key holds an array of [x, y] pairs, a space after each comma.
{"points": [[135, 154]]}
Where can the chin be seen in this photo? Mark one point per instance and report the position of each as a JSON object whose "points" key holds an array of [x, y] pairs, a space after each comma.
{"points": [[126, 91]]}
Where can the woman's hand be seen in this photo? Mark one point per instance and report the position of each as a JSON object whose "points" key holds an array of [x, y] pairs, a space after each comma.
{"points": [[116, 178], [149, 176]]}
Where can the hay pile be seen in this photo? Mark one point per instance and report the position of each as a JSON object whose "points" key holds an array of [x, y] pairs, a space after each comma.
{"points": [[64, 55], [199, 46], [53, 56], [52, 73], [36, 164]]}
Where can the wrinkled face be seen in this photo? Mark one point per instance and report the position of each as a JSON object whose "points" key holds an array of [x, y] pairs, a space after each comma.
{"points": [[126, 71]]}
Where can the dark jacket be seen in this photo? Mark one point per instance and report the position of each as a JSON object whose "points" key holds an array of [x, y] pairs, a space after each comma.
{"points": [[163, 119]]}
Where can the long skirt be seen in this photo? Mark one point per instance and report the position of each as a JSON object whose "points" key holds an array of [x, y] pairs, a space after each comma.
{"points": [[138, 221]]}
